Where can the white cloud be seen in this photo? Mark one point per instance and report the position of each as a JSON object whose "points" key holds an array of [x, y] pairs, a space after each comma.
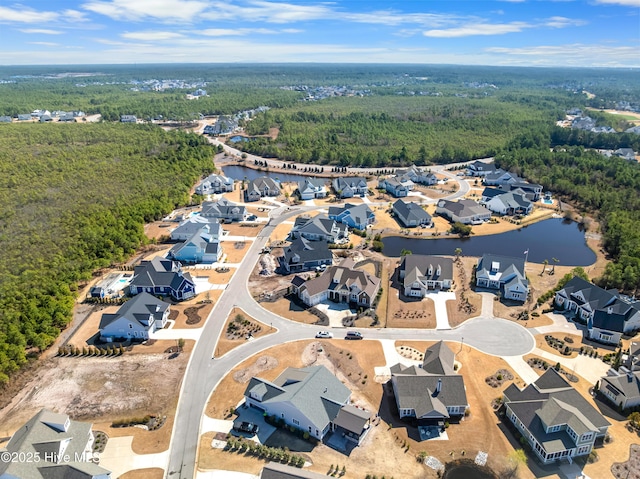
{"points": [[563, 22], [222, 32], [624, 3], [576, 54], [176, 11], [151, 35], [43, 31], [20, 14], [478, 29], [46, 44]]}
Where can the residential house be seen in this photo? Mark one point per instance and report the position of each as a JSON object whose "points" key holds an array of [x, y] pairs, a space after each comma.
{"points": [[480, 168], [40, 113], [341, 284], [67, 117], [223, 126], [354, 216], [608, 314], [24, 117], [128, 119], [312, 188], [505, 274], [463, 211], [421, 273], [138, 318], [201, 247], [411, 214], [397, 186], [532, 191], [556, 421], [223, 210], [46, 119], [305, 255], [277, 470], [625, 153], [193, 225], [213, 184], [622, 388], [417, 175], [631, 360], [310, 399], [500, 177], [506, 203], [162, 277], [319, 228], [59, 447], [5, 119], [433, 392], [350, 186], [260, 187]]}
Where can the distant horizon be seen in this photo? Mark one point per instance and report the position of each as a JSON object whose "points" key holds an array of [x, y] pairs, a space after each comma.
{"points": [[510, 33]]}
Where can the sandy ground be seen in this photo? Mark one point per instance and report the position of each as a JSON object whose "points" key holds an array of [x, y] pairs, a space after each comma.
{"points": [[404, 312], [242, 229], [155, 473], [226, 343]]}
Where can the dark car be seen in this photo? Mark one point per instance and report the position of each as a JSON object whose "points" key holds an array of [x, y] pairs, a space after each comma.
{"points": [[353, 335], [246, 427]]}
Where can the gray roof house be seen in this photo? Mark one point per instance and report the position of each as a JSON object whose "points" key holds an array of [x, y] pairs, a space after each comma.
{"points": [[556, 421], [5, 119], [260, 187], [342, 284], [162, 277], [421, 273], [532, 191], [433, 392], [310, 399], [608, 314], [128, 119], [398, 186], [417, 175], [223, 210], [63, 448], [622, 388], [350, 186], [213, 184], [500, 177], [505, 274], [632, 359], [305, 255], [311, 188], [276, 470], [201, 247], [463, 211], [138, 318], [354, 216], [506, 202], [480, 168], [411, 214], [193, 225], [319, 228]]}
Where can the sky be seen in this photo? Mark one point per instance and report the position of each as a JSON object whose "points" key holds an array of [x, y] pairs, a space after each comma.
{"points": [[579, 33]]}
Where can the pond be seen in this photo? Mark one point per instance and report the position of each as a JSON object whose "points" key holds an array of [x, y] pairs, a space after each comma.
{"points": [[240, 173], [238, 139], [467, 469], [552, 238]]}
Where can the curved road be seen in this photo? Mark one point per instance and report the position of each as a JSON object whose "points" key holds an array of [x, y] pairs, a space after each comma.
{"points": [[204, 371]]}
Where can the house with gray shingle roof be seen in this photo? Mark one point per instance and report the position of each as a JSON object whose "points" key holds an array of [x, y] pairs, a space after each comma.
{"points": [[194, 224], [308, 398], [423, 273], [480, 168], [354, 216], [608, 314], [622, 387], [319, 228], [463, 211], [311, 188], [305, 255], [432, 393], [276, 470], [500, 177], [201, 247], [260, 187], [138, 318], [214, 184], [350, 186], [513, 202], [411, 214], [632, 359], [60, 448], [505, 274], [554, 418], [397, 186], [5, 119], [417, 175], [162, 277], [341, 284], [223, 210]]}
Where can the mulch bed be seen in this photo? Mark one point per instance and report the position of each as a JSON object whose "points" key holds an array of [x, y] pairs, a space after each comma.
{"points": [[499, 378], [193, 314], [629, 469]]}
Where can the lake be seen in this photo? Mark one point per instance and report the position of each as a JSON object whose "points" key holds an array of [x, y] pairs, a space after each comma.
{"points": [[241, 172], [552, 238]]}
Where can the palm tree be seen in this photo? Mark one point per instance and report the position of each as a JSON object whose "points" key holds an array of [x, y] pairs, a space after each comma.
{"points": [[458, 253], [545, 263], [555, 261]]}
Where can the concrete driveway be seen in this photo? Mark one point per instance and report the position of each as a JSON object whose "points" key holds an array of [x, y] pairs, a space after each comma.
{"points": [[440, 302], [119, 457]]}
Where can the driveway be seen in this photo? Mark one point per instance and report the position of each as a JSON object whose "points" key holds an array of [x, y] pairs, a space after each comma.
{"points": [[440, 302], [336, 312], [119, 458], [487, 305]]}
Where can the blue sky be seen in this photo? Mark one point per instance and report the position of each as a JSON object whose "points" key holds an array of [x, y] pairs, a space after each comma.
{"points": [[603, 33]]}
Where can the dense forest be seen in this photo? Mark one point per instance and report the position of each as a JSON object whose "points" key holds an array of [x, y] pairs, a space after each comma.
{"points": [[75, 198]]}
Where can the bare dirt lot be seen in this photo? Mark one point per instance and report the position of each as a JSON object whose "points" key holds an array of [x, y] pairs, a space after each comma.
{"points": [[104, 389]]}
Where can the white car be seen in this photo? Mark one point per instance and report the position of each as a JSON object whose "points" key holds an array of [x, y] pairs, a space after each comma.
{"points": [[324, 334]]}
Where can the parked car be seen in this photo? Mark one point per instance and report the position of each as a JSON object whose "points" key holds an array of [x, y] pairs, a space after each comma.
{"points": [[353, 335], [324, 334], [246, 427]]}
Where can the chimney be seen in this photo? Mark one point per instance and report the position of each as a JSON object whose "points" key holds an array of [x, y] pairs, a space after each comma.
{"points": [[439, 386]]}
